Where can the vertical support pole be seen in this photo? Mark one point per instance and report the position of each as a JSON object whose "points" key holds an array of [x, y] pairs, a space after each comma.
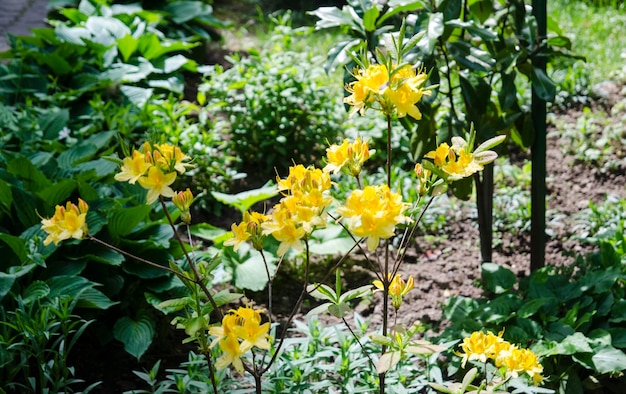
{"points": [[538, 154]]}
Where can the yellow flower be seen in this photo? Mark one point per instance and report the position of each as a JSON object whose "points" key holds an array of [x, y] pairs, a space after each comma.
{"points": [[241, 330], [423, 178], [369, 85], [157, 183], [397, 288], [232, 353], [67, 222], [170, 158], [454, 161], [405, 91], [480, 346], [523, 360], [248, 230], [284, 229], [348, 157], [373, 213], [133, 167]]}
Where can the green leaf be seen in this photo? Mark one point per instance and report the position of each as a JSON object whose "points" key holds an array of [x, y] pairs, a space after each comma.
{"points": [[471, 57], [136, 95], [542, 85], [207, 231], [35, 291], [245, 200], [397, 6], [497, 279], [434, 31], [59, 192], [609, 359], [124, 220], [184, 11], [6, 282], [136, 335], [473, 29], [17, 245], [94, 299], [618, 312], [331, 247], [252, 275], [331, 17], [127, 45], [369, 18]]}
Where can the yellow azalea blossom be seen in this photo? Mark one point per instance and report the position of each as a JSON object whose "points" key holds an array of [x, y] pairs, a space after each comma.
{"points": [[373, 213], [171, 158], [69, 221], [241, 330], [348, 157], [523, 360], [157, 183], [369, 84], [285, 230], [248, 230], [479, 346], [405, 91], [398, 288], [240, 235], [133, 167], [373, 88], [454, 161], [232, 353]]}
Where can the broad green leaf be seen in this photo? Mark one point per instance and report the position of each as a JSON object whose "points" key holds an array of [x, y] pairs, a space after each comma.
{"points": [[542, 85], [67, 285], [473, 29], [207, 231], [184, 11], [94, 299], [35, 291], [59, 192], [369, 18], [470, 57], [127, 45], [174, 63], [124, 220], [136, 95], [497, 279], [72, 35], [434, 30], [331, 247], [136, 335], [252, 275], [608, 360], [397, 6], [245, 200], [17, 245], [331, 17], [531, 307], [338, 55], [31, 176], [618, 312], [575, 343], [6, 282]]}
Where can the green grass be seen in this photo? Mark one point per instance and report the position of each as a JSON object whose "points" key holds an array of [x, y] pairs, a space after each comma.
{"points": [[597, 32]]}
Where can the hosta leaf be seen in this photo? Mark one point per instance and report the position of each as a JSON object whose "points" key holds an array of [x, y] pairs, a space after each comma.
{"points": [[252, 275], [124, 220], [609, 359], [94, 299], [35, 291], [136, 335]]}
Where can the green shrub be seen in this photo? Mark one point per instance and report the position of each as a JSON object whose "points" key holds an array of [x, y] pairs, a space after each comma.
{"points": [[275, 105]]}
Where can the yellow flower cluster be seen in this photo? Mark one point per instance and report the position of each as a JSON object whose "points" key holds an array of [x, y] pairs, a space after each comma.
{"points": [[302, 208], [69, 221], [241, 330], [482, 347], [248, 230], [374, 213], [155, 168], [347, 157], [395, 90], [398, 288]]}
